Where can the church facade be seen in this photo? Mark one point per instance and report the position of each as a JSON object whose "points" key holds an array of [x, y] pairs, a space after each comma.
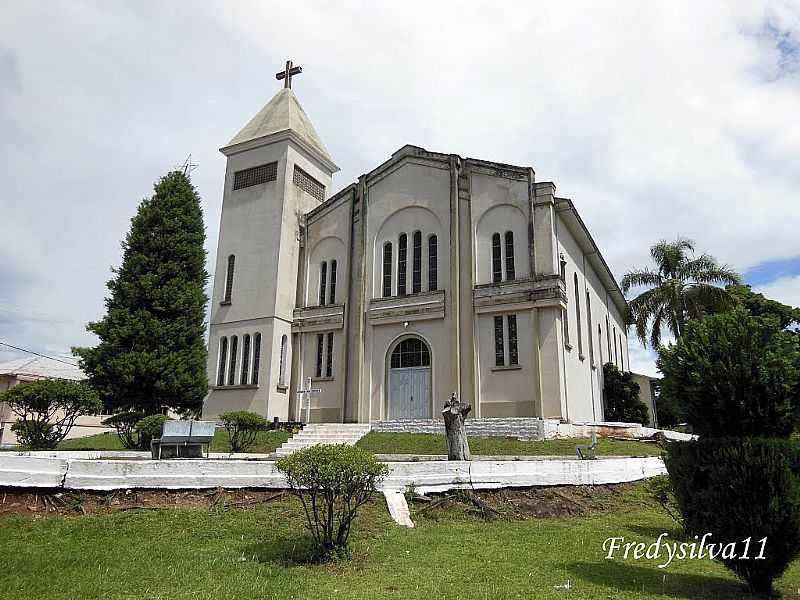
{"points": [[432, 274]]}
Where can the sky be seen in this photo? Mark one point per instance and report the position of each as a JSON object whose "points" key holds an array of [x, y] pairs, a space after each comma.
{"points": [[657, 119]]}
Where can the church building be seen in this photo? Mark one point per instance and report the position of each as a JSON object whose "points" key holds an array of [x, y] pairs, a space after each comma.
{"points": [[432, 274]]}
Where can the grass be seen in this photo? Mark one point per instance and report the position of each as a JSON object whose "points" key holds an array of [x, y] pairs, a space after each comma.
{"points": [[420, 443], [195, 554], [267, 441]]}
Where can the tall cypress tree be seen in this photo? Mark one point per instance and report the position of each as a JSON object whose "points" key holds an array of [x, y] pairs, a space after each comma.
{"points": [[152, 351]]}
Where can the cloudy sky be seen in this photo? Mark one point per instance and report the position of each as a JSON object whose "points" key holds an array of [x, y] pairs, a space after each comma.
{"points": [[657, 119]]}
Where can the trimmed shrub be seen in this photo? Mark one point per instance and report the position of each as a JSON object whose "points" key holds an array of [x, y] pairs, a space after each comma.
{"points": [[47, 410], [737, 489], [332, 482], [622, 397], [125, 424], [733, 374], [150, 427], [242, 427]]}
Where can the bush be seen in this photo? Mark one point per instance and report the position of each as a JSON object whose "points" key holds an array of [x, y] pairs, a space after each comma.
{"points": [[737, 489], [242, 427], [733, 374], [332, 482], [622, 397], [47, 410], [150, 427], [125, 424]]}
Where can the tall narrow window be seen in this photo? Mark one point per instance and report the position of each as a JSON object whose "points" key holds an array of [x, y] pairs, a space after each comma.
{"points": [[433, 263], [332, 296], [497, 261], [320, 348], [245, 359], [417, 274], [256, 357], [608, 338], [600, 343], [616, 360], [510, 256], [513, 355], [621, 355], [387, 269], [323, 282], [232, 365], [402, 263], [589, 328], [223, 359], [329, 356], [499, 346], [282, 371], [229, 278], [578, 313]]}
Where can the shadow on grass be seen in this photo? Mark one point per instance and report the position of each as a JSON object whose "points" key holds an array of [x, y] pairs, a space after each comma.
{"points": [[286, 552], [623, 576]]}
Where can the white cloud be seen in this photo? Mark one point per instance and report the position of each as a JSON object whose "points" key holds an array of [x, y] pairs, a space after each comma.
{"points": [[784, 289], [658, 119]]}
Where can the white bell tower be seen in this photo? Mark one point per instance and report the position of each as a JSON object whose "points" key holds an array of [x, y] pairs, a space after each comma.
{"points": [[278, 169]]}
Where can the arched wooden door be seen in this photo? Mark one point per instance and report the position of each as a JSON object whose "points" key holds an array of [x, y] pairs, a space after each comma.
{"points": [[410, 380]]}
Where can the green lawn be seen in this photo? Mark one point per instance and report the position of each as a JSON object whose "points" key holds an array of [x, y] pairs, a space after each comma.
{"points": [[266, 442], [418, 443], [203, 554]]}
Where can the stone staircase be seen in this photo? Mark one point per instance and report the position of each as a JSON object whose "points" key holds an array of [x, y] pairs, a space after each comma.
{"points": [[324, 433]]}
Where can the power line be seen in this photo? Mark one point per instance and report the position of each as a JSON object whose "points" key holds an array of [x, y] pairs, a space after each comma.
{"points": [[37, 354]]}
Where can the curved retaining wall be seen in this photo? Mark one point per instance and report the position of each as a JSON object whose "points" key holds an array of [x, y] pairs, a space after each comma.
{"points": [[430, 476]]}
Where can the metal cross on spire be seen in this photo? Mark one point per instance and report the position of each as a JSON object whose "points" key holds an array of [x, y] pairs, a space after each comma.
{"points": [[288, 73]]}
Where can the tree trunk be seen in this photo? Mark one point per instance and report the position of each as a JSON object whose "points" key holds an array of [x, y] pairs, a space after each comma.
{"points": [[454, 413]]}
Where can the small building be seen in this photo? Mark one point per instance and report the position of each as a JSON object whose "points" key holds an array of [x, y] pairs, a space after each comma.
{"points": [[27, 370]]}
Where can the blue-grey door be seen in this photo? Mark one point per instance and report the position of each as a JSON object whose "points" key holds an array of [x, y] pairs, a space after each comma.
{"points": [[410, 381]]}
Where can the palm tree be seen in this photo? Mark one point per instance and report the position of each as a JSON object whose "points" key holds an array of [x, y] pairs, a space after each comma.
{"points": [[682, 287]]}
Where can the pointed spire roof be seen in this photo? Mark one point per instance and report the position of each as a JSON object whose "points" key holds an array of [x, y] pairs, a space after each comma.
{"points": [[283, 115]]}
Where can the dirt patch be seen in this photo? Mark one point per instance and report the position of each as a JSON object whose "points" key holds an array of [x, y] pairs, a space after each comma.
{"points": [[523, 503], [55, 503]]}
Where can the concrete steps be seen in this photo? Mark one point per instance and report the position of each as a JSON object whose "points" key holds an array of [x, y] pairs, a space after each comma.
{"points": [[324, 433]]}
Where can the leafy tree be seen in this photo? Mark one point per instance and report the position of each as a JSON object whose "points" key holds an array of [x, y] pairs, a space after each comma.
{"points": [[759, 305], [622, 397], [150, 427], [682, 287], [733, 374], [242, 427], [47, 410], [332, 482], [125, 424], [152, 351]]}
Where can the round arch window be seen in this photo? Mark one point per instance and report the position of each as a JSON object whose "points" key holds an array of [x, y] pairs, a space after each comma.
{"points": [[411, 352]]}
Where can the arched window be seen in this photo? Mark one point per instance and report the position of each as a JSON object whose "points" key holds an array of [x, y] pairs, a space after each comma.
{"points": [[223, 359], [245, 359], [332, 297], [510, 274], [497, 260], [578, 314], [232, 365], [256, 357], [402, 263], [411, 352], [323, 282], [229, 278], [433, 263], [416, 276], [387, 269], [282, 371]]}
